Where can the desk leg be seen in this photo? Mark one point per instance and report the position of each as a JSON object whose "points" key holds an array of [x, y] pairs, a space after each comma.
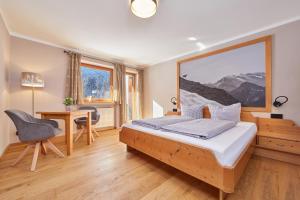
{"points": [[69, 134], [89, 128], [66, 136]]}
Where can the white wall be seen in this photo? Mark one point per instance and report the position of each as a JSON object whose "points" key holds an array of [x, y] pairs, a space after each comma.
{"points": [[159, 87], [49, 61], [4, 93], [160, 80]]}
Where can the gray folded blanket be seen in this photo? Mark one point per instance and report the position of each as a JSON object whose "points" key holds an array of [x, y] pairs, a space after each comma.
{"points": [[157, 123], [200, 128]]}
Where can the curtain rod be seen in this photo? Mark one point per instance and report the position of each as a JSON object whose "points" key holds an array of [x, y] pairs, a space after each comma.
{"points": [[95, 58], [91, 57]]}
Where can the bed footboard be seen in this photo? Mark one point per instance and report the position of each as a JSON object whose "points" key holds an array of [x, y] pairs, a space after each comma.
{"points": [[197, 162]]}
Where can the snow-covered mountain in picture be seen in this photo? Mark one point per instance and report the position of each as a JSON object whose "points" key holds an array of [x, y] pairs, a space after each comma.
{"points": [[248, 89]]}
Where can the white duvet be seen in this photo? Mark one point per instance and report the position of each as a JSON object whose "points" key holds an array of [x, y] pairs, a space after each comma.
{"points": [[157, 123], [200, 128]]}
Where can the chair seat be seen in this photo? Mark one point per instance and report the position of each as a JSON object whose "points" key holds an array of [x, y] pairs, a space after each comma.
{"points": [[57, 131], [82, 121]]}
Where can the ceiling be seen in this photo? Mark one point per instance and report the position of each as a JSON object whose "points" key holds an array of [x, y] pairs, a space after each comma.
{"points": [[108, 29]]}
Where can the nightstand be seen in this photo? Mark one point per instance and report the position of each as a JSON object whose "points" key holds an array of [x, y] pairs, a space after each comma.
{"points": [[278, 139], [172, 113]]}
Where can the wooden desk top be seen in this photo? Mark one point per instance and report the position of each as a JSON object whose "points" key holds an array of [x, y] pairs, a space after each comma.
{"points": [[73, 113], [63, 112]]}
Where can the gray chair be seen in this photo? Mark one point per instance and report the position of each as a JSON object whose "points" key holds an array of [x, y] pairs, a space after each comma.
{"points": [[81, 122], [36, 132]]}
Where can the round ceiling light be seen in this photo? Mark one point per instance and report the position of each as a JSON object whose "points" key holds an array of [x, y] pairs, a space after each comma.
{"points": [[144, 8]]}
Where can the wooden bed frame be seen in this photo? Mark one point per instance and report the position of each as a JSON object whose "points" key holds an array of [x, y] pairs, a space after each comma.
{"points": [[193, 160]]}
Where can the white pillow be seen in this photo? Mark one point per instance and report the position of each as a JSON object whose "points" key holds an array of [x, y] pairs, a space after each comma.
{"points": [[231, 113], [194, 111]]}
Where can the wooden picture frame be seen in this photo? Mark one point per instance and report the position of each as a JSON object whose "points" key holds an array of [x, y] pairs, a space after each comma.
{"points": [[267, 40]]}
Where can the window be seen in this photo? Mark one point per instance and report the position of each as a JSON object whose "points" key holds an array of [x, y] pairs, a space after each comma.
{"points": [[97, 83]]}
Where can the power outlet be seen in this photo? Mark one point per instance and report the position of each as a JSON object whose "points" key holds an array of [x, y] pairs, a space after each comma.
{"points": [[276, 116]]}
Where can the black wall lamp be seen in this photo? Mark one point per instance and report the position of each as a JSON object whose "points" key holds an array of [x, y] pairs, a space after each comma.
{"points": [[280, 100], [174, 102]]}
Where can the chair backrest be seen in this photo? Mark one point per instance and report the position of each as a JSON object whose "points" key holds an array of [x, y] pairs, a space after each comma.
{"points": [[19, 118], [29, 128], [95, 113]]}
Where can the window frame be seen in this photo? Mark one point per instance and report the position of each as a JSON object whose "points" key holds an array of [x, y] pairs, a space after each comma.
{"points": [[99, 100]]}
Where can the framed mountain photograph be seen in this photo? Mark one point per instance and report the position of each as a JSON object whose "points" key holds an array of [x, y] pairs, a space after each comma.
{"points": [[239, 73]]}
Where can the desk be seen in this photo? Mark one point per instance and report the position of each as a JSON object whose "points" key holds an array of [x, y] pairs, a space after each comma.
{"points": [[68, 117]]}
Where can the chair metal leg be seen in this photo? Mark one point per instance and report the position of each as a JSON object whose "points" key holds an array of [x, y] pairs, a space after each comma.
{"points": [[21, 156], [54, 149], [35, 156], [79, 134]]}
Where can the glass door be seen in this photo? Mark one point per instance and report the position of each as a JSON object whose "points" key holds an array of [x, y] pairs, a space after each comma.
{"points": [[130, 96]]}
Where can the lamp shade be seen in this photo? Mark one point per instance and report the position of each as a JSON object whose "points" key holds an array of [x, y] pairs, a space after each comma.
{"points": [[144, 8], [30, 79]]}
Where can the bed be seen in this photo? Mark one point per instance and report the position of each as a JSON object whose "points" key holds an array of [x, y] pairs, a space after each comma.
{"points": [[218, 161]]}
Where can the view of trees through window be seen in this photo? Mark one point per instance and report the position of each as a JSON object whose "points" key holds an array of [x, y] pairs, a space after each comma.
{"points": [[96, 82]]}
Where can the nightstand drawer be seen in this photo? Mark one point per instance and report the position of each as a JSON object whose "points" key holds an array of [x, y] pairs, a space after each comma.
{"points": [[279, 144], [172, 113]]}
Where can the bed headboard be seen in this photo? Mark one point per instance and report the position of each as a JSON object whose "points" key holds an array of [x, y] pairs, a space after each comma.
{"points": [[245, 116]]}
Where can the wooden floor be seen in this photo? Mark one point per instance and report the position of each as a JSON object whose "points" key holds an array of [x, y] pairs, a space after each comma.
{"points": [[105, 170]]}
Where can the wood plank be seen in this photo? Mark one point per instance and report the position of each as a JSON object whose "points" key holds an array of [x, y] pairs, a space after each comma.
{"points": [[277, 155], [288, 146], [89, 128], [69, 134], [54, 149], [44, 148], [179, 155], [105, 170], [59, 113], [21, 156], [275, 122], [188, 158], [35, 156], [222, 195], [284, 135], [232, 177], [172, 113]]}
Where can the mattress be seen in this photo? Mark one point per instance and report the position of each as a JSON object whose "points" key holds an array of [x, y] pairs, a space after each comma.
{"points": [[227, 146]]}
